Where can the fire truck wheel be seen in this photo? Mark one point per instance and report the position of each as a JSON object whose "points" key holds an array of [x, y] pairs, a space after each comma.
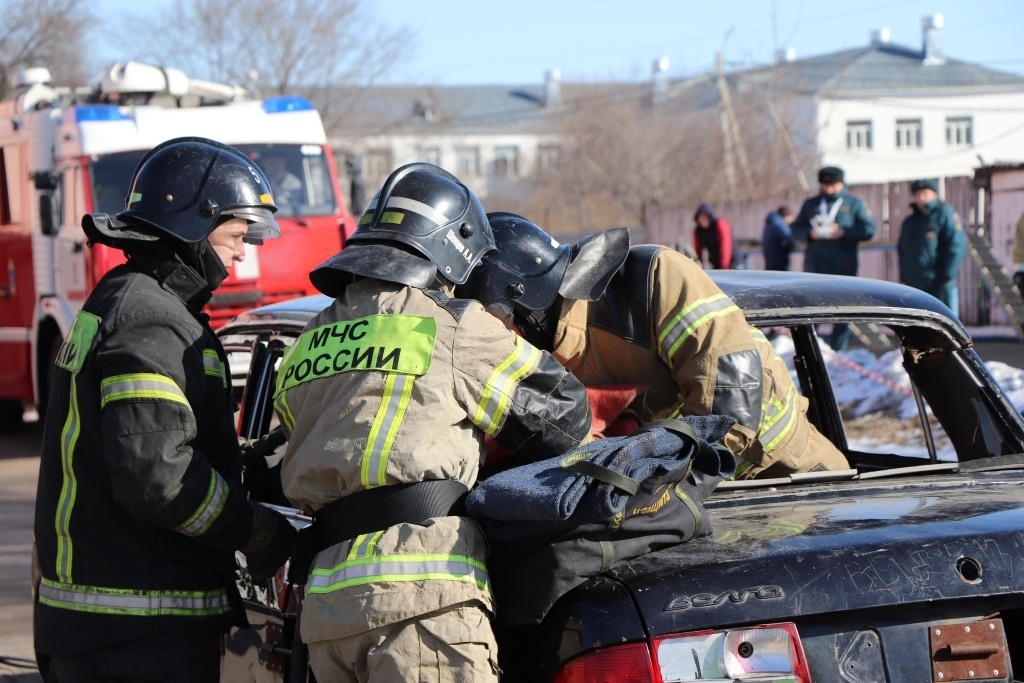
{"points": [[11, 413]]}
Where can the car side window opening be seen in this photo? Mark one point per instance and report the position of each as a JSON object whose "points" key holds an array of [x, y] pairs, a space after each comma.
{"points": [[898, 406]]}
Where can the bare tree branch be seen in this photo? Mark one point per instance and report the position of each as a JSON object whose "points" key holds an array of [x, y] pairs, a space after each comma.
{"points": [[304, 47], [50, 33]]}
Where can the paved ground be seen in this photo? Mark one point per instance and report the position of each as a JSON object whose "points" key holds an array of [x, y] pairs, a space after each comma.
{"points": [[19, 463]]}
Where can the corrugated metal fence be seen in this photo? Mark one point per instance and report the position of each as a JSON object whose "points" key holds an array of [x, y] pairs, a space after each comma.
{"points": [[889, 204]]}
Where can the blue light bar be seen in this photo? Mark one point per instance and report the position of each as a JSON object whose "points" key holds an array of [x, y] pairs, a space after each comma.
{"points": [[276, 105], [98, 112]]}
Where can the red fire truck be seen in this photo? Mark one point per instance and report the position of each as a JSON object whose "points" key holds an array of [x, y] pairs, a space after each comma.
{"points": [[64, 153]]}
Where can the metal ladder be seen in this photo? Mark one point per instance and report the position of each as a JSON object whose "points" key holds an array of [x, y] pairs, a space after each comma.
{"points": [[996, 278]]}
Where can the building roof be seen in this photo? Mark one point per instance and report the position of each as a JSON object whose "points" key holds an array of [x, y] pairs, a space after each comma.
{"points": [[412, 109], [878, 69], [881, 68]]}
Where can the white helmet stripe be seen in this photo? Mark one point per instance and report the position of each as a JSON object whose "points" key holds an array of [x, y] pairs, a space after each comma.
{"points": [[418, 207]]}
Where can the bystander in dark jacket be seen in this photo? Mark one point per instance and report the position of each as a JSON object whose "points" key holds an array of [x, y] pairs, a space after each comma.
{"points": [[777, 239], [932, 245], [833, 223]]}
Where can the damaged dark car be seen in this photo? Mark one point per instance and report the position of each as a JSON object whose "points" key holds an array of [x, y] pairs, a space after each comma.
{"points": [[907, 567]]}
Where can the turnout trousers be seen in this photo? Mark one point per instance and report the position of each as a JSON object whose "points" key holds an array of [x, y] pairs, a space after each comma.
{"points": [[450, 645]]}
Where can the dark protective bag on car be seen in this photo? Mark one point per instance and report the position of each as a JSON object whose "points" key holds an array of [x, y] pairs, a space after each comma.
{"points": [[554, 524]]}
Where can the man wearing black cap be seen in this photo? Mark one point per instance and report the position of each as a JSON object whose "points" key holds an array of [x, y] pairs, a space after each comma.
{"points": [[832, 223], [932, 245]]}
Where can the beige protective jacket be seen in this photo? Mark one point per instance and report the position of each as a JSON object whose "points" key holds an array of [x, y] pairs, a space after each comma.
{"points": [[390, 385], [665, 324]]}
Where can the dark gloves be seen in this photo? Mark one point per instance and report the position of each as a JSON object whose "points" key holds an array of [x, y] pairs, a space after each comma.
{"points": [[261, 467], [271, 543]]}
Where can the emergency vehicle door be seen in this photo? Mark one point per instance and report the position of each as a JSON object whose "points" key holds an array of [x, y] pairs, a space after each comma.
{"points": [[17, 286], [69, 247]]}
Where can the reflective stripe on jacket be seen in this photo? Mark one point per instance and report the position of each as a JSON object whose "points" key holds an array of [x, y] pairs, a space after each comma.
{"points": [[139, 509], [664, 323], [392, 385]]}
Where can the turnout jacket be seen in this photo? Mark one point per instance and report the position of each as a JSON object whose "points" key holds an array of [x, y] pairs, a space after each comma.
{"points": [[834, 256], [393, 385], [662, 322], [139, 507], [931, 247]]}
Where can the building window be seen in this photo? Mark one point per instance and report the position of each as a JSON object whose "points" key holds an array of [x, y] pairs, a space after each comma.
{"points": [[959, 131], [467, 161], [547, 157], [431, 155], [376, 163], [858, 135], [506, 161], [908, 134]]}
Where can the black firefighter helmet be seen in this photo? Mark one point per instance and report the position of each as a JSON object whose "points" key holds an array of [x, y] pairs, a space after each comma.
{"points": [[182, 189], [530, 269], [424, 222]]}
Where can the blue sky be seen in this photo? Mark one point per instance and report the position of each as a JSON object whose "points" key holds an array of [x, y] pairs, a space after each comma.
{"points": [[516, 41]]}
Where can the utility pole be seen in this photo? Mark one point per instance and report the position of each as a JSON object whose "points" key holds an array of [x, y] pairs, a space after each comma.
{"points": [[723, 118], [731, 132]]}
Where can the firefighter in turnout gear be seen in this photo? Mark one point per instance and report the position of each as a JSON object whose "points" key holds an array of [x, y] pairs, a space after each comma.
{"points": [[139, 509], [648, 315], [386, 397]]}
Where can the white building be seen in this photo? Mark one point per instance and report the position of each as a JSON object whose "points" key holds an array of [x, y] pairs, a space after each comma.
{"points": [[489, 136], [885, 112]]}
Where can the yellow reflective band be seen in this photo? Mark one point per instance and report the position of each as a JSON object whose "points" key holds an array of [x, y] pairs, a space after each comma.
{"points": [[741, 467], [366, 218], [758, 335], [284, 413], [140, 385], [134, 197], [141, 603], [393, 404], [363, 545], [265, 198], [689, 320], [214, 366], [209, 510], [502, 383], [393, 217], [391, 343], [69, 485], [76, 347], [398, 568], [780, 416]]}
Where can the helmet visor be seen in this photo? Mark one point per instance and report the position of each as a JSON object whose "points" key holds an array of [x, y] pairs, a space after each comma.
{"points": [[262, 225]]}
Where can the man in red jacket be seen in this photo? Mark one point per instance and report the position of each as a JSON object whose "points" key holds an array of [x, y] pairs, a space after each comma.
{"points": [[713, 235]]}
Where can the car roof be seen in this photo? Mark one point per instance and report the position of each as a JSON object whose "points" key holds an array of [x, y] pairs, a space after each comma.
{"points": [[762, 295], [775, 290]]}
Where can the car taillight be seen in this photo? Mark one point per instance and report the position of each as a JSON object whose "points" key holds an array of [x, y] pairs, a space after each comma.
{"points": [[630, 663], [770, 652]]}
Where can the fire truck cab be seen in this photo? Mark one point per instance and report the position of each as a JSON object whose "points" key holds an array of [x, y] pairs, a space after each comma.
{"points": [[64, 153]]}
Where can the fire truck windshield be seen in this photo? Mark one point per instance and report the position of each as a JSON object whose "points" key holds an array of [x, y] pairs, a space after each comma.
{"points": [[298, 175]]}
